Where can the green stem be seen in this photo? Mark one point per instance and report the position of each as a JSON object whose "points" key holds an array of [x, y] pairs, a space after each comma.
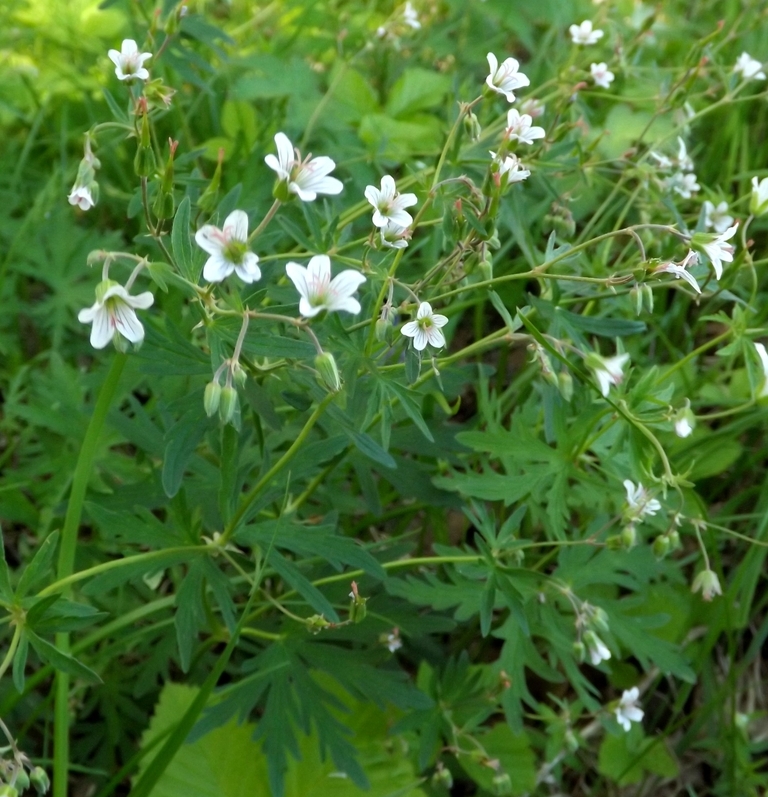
{"points": [[66, 565], [11, 651], [253, 493]]}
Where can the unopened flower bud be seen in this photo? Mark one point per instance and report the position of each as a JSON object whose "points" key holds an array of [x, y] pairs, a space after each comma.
{"points": [[565, 384], [472, 126], [239, 375], [316, 623], [40, 780], [661, 546], [579, 650], [442, 777], [328, 372], [674, 540], [357, 610], [22, 780], [209, 198], [758, 203], [212, 398], [486, 266], [647, 292], [383, 329], [228, 403], [600, 618], [628, 537], [144, 164]]}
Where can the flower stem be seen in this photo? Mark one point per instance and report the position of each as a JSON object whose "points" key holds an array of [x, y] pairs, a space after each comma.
{"points": [[66, 565]]}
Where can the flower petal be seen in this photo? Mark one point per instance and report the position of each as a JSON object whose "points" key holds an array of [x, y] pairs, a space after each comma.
{"points": [[298, 276], [101, 331], [236, 226], [217, 268], [210, 239], [127, 323]]}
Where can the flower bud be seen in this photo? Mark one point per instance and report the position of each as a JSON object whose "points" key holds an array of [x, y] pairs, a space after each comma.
{"points": [[210, 197], [328, 372], [661, 546], [211, 398], [7, 790], [709, 584], [239, 375], [758, 203], [647, 292], [600, 618], [579, 650], [228, 403], [22, 780], [39, 779], [316, 623], [472, 126], [383, 330], [628, 537], [674, 540], [442, 777], [565, 383], [144, 164], [357, 610]]}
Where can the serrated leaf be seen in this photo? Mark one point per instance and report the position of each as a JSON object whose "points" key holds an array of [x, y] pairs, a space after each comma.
{"points": [[40, 566], [59, 660], [298, 581], [190, 613]]}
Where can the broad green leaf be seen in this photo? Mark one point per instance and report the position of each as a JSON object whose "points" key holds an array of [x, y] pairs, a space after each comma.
{"points": [[627, 758], [417, 90]]}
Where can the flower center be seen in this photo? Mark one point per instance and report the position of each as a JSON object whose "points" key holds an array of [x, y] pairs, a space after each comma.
{"points": [[235, 251], [425, 323]]}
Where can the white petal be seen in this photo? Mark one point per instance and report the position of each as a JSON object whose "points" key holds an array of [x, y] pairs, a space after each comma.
{"points": [[388, 189], [435, 337], [236, 226], [439, 320], [400, 217], [425, 309], [759, 348], [298, 276], [210, 239], [493, 64], [115, 57], [308, 310], [87, 314], [217, 268], [127, 323], [285, 153], [420, 340], [141, 301], [410, 330], [101, 331], [248, 270], [346, 283], [348, 304], [373, 195]]}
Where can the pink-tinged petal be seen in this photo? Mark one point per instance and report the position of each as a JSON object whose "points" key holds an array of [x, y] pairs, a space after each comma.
{"points": [[141, 301], [101, 331], [298, 276], [127, 324], [425, 309], [435, 337], [210, 239], [439, 320], [346, 282], [217, 268], [236, 226], [410, 330], [348, 304], [319, 271]]}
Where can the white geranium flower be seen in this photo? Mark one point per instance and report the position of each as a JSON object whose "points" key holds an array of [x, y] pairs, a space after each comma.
{"points": [[607, 370], [533, 107], [684, 420], [520, 128], [584, 33], [426, 328], [115, 311], [709, 584], [683, 184], [306, 178], [82, 197], [393, 641], [717, 216], [228, 250], [663, 163], [639, 503], [410, 17], [596, 648], [319, 292], [393, 236], [129, 62], [684, 161], [388, 205], [763, 355], [716, 248], [512, 167], [679, 269], [627, 711], [749, 67], [506, 78], [602, 76], [758, 203]]}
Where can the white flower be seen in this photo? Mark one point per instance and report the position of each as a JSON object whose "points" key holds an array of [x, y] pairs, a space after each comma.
{"points": [[596, 647], [602, 76], [639, 503], [392, 640], [663, 163], [683, 426], [758, 203], [115, 311], [763, 355], [512, 167], [716, 248], [608, 370], [228, 250], [749, 67], [627, 711], [388, 205], [684, 161], [679, 269], [82, 197], [319, 292], [709, 584], [506, 78], [306, 178], [533, 107], [410, 17], [717, 216], [426, 328], [129, 62], [519, 127], [393, 236], [683, 184], [584, 34]]}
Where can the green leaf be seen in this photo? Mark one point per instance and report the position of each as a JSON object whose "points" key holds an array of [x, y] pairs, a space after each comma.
{"points": [[514, 755], [40, 566], [417, 90], [20, 662], [181, 441], [182, 243], [59, 660], [298, 581], [190, 613], [6, 591], [487, 601], [410, 406], [365, 444], [626, 758]]}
